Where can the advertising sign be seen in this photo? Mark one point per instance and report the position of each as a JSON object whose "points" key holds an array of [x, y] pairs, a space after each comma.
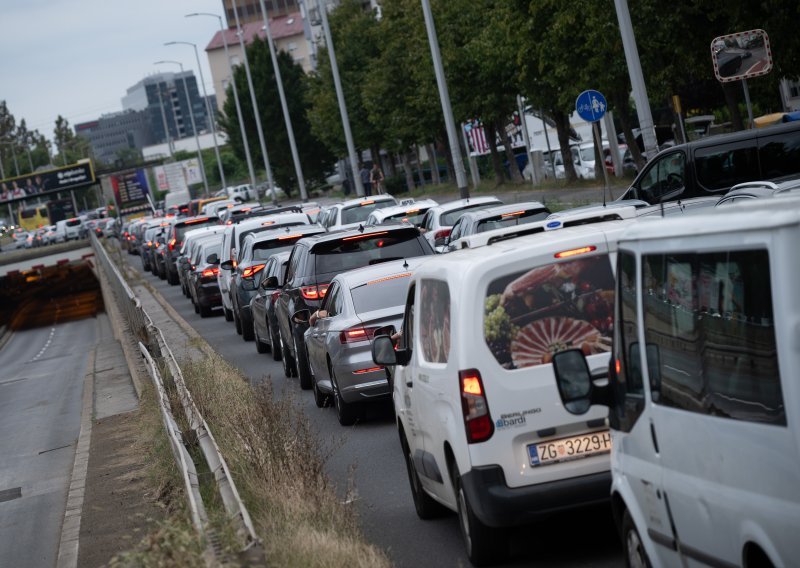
{"points": [[131, 191], [741, 55], [47, 182], [178, 176]]}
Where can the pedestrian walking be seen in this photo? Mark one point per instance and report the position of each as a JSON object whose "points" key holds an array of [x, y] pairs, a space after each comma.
{"points": [[376, 178], [365, 179]]}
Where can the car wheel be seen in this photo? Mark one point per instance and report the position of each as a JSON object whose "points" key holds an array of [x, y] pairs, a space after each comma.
{"points": [[301, 361], [321, 399], [246, 323], [228, 314], [274, 342], [261, 347], [426, 506], [346, 412], [237, 322], [483, 543], [288, 361], [635, 554]]}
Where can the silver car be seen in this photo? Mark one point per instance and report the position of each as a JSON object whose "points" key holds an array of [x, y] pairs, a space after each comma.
{"points": [[359, 304]]}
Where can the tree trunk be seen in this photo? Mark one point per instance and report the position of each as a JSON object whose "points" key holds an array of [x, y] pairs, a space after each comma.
{"points": [[513, 168], [407, 170], [391, 170], [621, 102], [489, 131], [420, 171], [733, 104], [434, 161], [562, 129]]}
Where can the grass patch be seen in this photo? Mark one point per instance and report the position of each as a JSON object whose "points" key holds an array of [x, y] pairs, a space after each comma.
{"points": [[278, 466]]}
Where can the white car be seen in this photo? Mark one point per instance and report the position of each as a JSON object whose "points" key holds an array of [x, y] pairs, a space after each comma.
{"points": [[241, 193], [353, 212], [439, 220], [481, 424], [408, 212], [705, 420]]}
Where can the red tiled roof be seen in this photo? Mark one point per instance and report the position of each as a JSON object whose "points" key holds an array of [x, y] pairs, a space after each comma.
{"points": [[280, 27]]}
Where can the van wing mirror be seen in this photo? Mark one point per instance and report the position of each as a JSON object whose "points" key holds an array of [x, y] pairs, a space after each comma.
{"points": [[383, 352], [270, 282], [574, 381]]}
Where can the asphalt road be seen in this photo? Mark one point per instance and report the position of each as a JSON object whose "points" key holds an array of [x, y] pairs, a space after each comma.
{"points": [[41, 386], [367, 457]]}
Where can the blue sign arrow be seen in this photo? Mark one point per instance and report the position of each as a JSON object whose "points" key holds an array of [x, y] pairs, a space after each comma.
{"points": [[590, 105]]}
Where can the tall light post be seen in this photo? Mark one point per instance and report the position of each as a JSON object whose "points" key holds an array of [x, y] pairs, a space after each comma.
{"points": [[444, 95], [254, 101], [191, 118], [337, 83], [208, 110], [164, 121], [298, 170], [250, 169]]}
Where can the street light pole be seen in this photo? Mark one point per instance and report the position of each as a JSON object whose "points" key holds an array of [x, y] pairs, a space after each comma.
{"points": [[208, 111], [298, 170], [637, 78], [250, 169], [191, 118], [337, 83], [444, 95], [254, 101], [164, 121]]}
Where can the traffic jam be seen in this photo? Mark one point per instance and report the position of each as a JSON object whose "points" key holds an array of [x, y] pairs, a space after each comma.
{"points": [[636, 352]]}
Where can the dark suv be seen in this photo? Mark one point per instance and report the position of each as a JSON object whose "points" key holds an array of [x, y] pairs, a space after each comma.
{"points": [[175, 242], [313, 264]]}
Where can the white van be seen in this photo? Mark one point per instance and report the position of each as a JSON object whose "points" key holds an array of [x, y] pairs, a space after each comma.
{"points": [[481, 424], [705, 421], [68, 229]]}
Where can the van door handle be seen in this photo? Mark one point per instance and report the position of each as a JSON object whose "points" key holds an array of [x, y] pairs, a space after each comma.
{"points": [[653, 436]]}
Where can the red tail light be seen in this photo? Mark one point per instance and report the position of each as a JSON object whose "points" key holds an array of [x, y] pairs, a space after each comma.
{"points": [[172, 243], [209, 272], [251, 271], [149, 244], [314, 292], [442, 233], [477, 419], [356, 334]]}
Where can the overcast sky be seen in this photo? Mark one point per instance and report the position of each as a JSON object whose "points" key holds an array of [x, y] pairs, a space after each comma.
{"points": [[76, 58]]}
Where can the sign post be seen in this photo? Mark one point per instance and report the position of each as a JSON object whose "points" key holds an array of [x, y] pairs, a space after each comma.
{"points": [[591, 106]]}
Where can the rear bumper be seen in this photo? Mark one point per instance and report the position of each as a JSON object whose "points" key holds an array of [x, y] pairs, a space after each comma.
{"points": [[208, 295], [498, 505]]}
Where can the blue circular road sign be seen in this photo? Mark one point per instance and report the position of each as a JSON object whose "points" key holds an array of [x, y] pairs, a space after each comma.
{"points": [[590, 105]]}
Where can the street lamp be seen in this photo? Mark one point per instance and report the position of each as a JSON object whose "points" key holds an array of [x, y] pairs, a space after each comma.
{"points": [[208, 109], [191, 117], [164, 120], [301, 182], [247, 156]]}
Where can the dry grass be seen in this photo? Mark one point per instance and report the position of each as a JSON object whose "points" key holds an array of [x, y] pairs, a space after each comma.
{"points": [[278, 467]]}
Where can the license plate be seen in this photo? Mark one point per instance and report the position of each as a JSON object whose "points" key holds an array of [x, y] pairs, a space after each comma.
{"points": [[567, 449]]}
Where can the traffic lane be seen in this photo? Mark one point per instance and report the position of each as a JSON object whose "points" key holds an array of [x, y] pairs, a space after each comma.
{"points": [[366, 459], [41, 388]]}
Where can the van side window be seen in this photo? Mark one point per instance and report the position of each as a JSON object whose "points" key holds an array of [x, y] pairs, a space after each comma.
{"points": [[723, 167], [626, 378], [434, 325], [709, 327], [407, 337], [780, 155], [664, 179]]}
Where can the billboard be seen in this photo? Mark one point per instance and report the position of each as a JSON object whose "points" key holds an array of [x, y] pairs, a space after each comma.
{"points": [[131, 191], [47, 182], [178, 176], [741, 55]]}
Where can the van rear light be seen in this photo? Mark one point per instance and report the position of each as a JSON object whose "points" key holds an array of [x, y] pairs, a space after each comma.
{"points": [[477, 420], [574, 252], [357, 334], [314, 292], [442, 233], [251, 271], [172, 243]]}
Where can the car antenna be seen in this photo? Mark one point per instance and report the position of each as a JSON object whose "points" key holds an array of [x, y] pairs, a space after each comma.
{"points": [[405, 263], [361, 228], [662, 208]]}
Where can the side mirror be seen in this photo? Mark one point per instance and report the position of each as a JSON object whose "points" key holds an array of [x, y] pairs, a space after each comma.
{"points": [[227, 265], [270, 282], [213, 259], [574, 380], [301, 316], [383, 352], [385, 330]]}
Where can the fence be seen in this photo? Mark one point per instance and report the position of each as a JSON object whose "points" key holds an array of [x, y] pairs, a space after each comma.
{"points": [[154, 347]]}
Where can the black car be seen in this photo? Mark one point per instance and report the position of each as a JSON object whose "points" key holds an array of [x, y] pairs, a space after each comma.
{"points": [[313, 264], [179, 229], [257, 247], [203, 284], [262, 306]]}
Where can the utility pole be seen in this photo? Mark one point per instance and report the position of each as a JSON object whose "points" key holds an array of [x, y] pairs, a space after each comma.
{"points": [[164, 120], [637, 79], [444, 95]]}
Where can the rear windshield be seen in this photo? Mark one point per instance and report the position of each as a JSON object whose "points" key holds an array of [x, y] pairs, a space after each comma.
{"points": [[449, 219], [183, 228], [532, 314], [355, 252], [271, 227], [265, 249], [208, 250], [73, 222], [415, 218], [381, 293], [359, 213], [511, 219]]}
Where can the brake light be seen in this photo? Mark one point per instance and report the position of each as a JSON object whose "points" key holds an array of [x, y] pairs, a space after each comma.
{"points": [[478, 421], [193, 221], [410, 211], [314, 292], [149, 244], [267, 223], [275, 295], [385, 278], [574, 252], [356, 334], [370, 202], [514, 214], [287, 237], [618, 366], [209, 272], [172, 243], [367, 236], [442, 233], [251, 271]]}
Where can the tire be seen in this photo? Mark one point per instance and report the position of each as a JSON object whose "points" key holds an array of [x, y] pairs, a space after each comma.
{"points": [[247, 328], [484, 545], [425, 505], [237, 322], [321, 399], [346, 412], [635, 554], [301, 362], [261, 347], [196, 308], [288, 362], [228, 314], [274, 343]]}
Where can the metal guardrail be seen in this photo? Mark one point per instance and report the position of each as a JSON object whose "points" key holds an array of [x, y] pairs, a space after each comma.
{"points": [[151, 341]]}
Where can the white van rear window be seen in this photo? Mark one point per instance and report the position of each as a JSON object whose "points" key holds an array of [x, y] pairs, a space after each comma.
{"points": [[531, 315]]}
